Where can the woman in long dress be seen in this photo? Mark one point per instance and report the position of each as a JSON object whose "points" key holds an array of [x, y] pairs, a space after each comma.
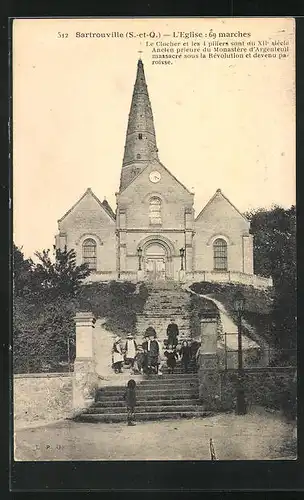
{"points": [[117, 356], [130, 350]]}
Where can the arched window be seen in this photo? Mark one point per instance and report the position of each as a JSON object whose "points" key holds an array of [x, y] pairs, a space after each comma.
{"points": [[89, 255], [220, 255], [155, 211]]}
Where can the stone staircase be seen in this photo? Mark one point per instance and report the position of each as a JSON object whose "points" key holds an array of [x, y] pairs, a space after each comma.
{"points": [[158, 397], [166, 300]]}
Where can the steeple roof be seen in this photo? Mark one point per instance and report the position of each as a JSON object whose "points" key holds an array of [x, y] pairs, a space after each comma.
{"points": [[140, 146]]}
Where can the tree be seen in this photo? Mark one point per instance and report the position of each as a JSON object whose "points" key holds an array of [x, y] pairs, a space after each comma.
{"points": [[44, 333], [274, 234], [22, 272], [274, 248], [44, 306], [61, 276]]}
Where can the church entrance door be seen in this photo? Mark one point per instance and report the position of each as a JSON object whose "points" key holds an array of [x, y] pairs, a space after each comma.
{"points": [[155, 262], [156, 268]]}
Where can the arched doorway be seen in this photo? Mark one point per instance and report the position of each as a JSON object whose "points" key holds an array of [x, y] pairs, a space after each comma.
{"points": [[156, 261]]}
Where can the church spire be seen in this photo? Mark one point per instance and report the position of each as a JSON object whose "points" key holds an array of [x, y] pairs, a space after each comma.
{"points": [[140, 146]]}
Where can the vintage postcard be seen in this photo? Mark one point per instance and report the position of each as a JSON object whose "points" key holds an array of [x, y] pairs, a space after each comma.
{"points": [[154, 239]]}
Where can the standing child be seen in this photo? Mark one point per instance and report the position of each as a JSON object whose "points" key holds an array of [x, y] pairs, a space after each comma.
{"points": [[130, 351], [151, 350], [139, 360], [130, 399], [117, 356], [171, 356]]}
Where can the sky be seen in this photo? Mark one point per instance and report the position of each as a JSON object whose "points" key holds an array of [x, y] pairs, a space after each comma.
{"points": [[220, 123]]}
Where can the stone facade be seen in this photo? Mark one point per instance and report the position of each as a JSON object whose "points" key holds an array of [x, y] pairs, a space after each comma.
{"points": [[154, 234], [89, 219], [220, 219]]}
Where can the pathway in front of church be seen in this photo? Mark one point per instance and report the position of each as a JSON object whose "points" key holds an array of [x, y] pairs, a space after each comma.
{"points": [[255, 436]]}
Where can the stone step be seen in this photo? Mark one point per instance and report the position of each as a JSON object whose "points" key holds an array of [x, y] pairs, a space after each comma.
{"points": [[150, 396], [184, 328], [172, 304], [156, 289], [167, 383], [161, 319], [162, 315], [166, 311], [177, 371], [142, 393], [168, 304], [141, 402], [173, 376], [176, 377], [160, 381], [143, 409], [151, 387], [172, 287], [121, 417], [168, 295], [168, 300], [167, 308]]}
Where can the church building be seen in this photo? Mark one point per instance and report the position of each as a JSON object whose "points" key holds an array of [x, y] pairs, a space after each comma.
{"points": [[154, 234]]}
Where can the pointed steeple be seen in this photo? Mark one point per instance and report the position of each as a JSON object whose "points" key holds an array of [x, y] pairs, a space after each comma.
{"points": [[140, 146]]}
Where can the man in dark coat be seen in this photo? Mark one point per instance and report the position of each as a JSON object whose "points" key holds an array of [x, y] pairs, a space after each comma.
{"points": [[185, 354], [172, 333]]}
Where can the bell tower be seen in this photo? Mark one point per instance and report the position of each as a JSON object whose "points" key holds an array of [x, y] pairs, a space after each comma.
{"points": [[140, 146]]}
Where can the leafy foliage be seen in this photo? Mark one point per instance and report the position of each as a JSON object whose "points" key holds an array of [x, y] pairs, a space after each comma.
{"points": [[272, 313], [275, 255], [47, 295], [22, 272], [118, 302], [44, 306], [61, 276], [274, 234], [43, 334], [258, 304]]}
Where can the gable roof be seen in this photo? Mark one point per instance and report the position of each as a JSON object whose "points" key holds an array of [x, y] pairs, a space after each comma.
{"points": [[104, 205], [217, 193], [108, 208], [145, 168]]}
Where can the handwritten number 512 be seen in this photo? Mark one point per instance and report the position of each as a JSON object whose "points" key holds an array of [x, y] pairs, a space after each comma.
{"points": [[62, 35]]}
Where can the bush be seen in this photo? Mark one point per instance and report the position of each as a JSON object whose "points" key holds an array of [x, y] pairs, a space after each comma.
{"points": [[44, 330]]}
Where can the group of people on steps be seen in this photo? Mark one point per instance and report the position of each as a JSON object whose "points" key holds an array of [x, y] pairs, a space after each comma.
{"points": [[151, 356]]}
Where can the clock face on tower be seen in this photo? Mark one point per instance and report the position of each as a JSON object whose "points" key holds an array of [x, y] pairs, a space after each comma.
{"points": [[154, 176]]}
